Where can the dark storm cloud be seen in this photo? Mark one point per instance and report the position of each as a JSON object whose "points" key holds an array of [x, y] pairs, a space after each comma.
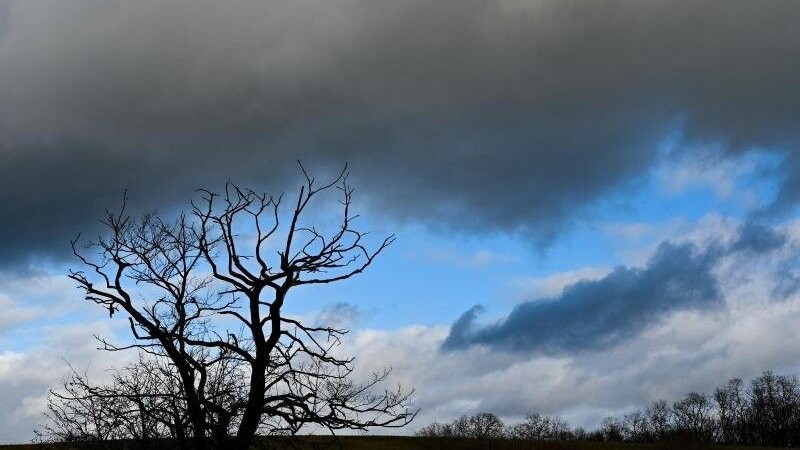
{"points": [[596, 314], [475, 115], [758, 238]]}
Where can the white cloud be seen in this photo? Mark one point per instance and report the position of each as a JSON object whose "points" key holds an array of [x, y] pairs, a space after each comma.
{"points": [[37, 297], [689, 350], [14, 313], [26, 376]]}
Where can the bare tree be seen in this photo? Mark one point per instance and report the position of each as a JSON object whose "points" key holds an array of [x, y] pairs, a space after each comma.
{"points": [[731, 412], [479, 426], [141, 402], [75, 416], [612, 429], [637, 427], [774, 404], [537, 427], [486, 426], [436, 429], [659, 419], [208, 289], [694, 416]]}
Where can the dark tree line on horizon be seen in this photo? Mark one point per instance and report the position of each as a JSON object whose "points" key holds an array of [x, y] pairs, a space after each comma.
{"points": [[765, 412]]}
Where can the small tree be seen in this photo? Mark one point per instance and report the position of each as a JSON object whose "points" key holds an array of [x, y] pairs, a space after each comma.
{"points": [[693, 416], [659, 419], [774, 409], [537, 427], [479, 426], [436, 429], [76, 416], [208, 290], [612, 429], [142, 401], [486, 426], [637, 427], [731, 412]]}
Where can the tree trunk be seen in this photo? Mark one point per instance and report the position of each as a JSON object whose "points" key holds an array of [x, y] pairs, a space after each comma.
{"points": [[252, 413]]}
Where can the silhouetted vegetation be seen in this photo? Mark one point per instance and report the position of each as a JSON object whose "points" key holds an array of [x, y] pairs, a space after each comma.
{"points": [[410, 443], [764, 413], [219, 360]]}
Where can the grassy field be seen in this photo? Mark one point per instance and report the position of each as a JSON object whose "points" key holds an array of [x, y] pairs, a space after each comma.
{"points": [[415, 443]]}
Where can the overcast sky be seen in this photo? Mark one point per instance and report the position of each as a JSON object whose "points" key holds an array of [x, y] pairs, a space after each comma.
{"points": [[595, 201]]}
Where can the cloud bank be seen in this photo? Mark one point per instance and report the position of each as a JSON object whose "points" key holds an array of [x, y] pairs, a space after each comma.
{"points": [[597, 314], [469, 115], [696, 349], [600, 313]]}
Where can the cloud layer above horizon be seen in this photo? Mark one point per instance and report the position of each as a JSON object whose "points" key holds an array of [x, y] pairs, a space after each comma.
{"points": [[475, 116]]}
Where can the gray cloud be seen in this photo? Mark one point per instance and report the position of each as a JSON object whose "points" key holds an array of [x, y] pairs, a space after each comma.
{"points": [[758, 238], [339, 314], [468, 115], [600, 313]]}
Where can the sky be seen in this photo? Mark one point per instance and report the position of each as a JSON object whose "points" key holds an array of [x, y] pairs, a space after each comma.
{"points": [[595, 202]]}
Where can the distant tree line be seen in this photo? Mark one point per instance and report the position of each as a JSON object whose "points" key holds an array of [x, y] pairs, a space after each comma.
{"points": [[764, 413]]}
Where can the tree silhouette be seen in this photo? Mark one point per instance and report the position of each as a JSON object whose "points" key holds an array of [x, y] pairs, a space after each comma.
{"points": [[142, 402], [537, 427], [765, 413], [205, 294]]}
